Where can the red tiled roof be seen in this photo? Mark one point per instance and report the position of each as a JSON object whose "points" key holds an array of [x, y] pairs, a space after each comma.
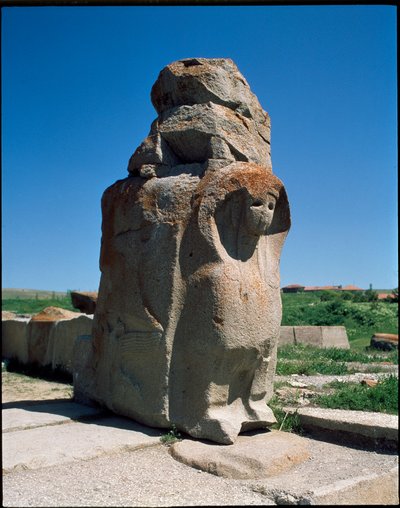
{"points": [[349, 287], [382, 296], [320, 288]]}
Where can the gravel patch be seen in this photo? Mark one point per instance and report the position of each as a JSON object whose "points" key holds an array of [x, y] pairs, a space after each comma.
{"points": [[319, 381], [148, 477]]}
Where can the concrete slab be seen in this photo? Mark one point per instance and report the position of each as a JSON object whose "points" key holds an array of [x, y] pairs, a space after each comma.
{"points": [[24, 416], [125, 469], [335, 475], [310, 335], [335, 336], [58, 444], [367, 429], [114, 461], [286, 335], [260, 455], [377, 488]]}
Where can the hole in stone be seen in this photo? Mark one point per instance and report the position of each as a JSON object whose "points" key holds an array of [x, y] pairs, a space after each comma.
{"points": [[258, 202], [270, 205], [191, 254], [190, 63], [237, 155]]}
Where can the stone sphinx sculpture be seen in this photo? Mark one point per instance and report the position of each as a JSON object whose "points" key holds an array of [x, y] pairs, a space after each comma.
{"points": [[189, 310]]}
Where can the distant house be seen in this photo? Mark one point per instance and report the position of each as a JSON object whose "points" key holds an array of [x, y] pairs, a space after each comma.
{"points": [[322, 288], [296, 288], [383, 296], [293, 288], [350, 287]]}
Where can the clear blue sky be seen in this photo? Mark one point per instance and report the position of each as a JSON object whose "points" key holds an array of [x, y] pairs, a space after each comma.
{"points": [[76, 103]]}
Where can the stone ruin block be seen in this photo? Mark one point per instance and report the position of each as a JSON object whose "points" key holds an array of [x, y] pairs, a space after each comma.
{"points": [[286, 335], [319, 336], [188, 313], [311, 335], [14, 339], [85, 301], [46, 340], [335, 336], [64, 337]]}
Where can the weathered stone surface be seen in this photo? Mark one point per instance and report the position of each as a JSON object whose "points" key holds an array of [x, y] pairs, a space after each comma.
{"points": [[54, 314], [42, 414], [5, 314], [47, 339], [70, 442], [308, 335], [319, 336], [250, 457], [286, 335], [188, 311], [85, 301], [14, 339], [335, 336], [41, 331], [63, 339], [207, 113], [385, 341], [367, 429]]}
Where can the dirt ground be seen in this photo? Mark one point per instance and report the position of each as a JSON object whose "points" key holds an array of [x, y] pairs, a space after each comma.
{"points": [[297, 390], [17, 387]]}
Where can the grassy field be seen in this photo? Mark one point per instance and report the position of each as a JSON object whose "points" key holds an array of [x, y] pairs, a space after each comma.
{"points": [[31, 294], [33, 305], [361, 318], [310, 360]]}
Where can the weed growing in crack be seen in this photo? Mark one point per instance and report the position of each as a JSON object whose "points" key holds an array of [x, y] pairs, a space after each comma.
{"points": [[171, 437]]}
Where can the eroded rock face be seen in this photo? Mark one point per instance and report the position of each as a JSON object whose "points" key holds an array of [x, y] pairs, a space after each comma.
{"points": [[188, 312], [207, 116], [85, 301]]}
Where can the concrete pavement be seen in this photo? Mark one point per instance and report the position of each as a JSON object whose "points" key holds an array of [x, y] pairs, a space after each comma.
{"points": [[60, 453]]}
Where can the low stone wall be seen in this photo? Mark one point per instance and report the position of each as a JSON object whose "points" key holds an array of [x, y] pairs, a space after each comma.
{"points": [[14, 339], [51, 343], [44, 343], [319, 336]]}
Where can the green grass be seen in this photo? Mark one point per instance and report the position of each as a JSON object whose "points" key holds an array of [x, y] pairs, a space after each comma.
{"points": [[311, 368], [311, 360], [361, 319], [33, 306], [285, 422], [305, 352], [171, 437], [382, 398], [31, 294]]}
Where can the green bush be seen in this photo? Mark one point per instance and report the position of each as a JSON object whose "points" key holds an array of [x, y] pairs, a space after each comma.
{"points": [[382, 398], [284, 421]]}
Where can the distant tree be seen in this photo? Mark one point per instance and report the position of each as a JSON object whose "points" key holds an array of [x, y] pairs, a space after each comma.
{"points": [[394, 297], [347, 295], [327, 295], [370, 295]]}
